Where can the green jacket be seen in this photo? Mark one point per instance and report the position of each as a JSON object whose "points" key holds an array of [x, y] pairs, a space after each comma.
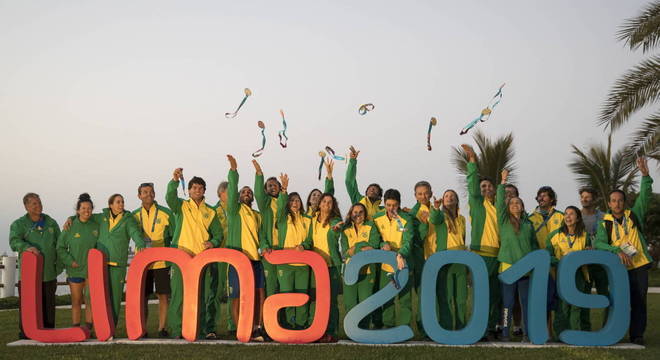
{"points": [[419, 234], [73, 245], [514, 246], [484, 239], [114, 243], [354, 193], [634, 216], [265, 206], [174, 202], [23, 234], [332, 240], [234, 222]]}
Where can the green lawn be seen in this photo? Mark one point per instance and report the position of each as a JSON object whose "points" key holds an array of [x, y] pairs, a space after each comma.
{"points": [[8, 333]]}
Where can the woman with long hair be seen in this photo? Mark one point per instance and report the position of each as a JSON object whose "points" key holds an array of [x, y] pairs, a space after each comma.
{"points": [[323, 238], [292, 227], [359, 234], [444, 230], [72, 247], [516, 240], [571, 236]]}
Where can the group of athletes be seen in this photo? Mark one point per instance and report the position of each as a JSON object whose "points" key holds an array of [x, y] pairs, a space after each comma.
{"points": [[502, 233]]}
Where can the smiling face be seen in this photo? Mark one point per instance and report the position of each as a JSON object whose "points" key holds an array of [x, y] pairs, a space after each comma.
{"points": [[392, 207], [315, 198], [544, 200], [273, 187], [117, 205], [423, 195], [326, 204], [85, 211], [570, 217], [449, 199], [487, 189], [373, 193], [33, 206], [196, 192], [147, 195], [246, 196], [358, 214], [516, 206]]}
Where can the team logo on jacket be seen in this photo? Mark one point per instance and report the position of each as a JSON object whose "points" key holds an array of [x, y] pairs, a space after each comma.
{"points": [[95, 233], [158, 221], [206, 215], [51, 230], [77, 235], [364, 235]]}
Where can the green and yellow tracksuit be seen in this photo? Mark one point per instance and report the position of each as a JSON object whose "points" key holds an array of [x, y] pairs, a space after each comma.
{"points": [[546, 223], [400, 241], [267, 206], [485, 240], [329, 189], [221, 212], [325, 241], [156, 225], [292, 278], [24, 233], [115, 233], [73, 245], [441, 233], [354, 193], [416, 264], [357, 237], [560, 244], [244, 223], [194, 225], [613, 234]]}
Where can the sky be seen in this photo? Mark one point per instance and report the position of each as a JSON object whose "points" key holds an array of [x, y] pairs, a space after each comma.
{"points": [[100, 96]]}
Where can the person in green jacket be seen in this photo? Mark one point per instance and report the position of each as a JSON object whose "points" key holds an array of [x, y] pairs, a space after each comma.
{"points": [[244, 234], [359, 234], [372, 198], [443, 229], [517, 240], [396, 231], [72, 248], [116, 227], [622, 232], [266, 196], [485, 240], [222, 295], [314, 197], [323, 238], [37, 233], [197, 229], [292, 228]]}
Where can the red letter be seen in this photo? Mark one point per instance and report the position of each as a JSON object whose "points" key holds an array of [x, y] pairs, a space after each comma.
{"points": [[32, 267], [276, 302], [97, 276], [191, 270]]}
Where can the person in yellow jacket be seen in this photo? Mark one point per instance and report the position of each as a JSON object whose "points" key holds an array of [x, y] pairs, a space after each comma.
{"points": [[442, 228], [621, 232], [396, 231], [545, 220], [372, 197], [197, 229], [570, 237], [156, 223], [359, 234], [485, 239], [292, 228], [314, 197]]}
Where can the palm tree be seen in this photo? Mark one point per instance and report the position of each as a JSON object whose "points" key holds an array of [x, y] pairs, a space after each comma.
{"points": [[597, 168], [639, 87], [493, 156]]}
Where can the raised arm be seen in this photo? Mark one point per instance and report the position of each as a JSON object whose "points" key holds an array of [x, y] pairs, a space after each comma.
{"points": [[173, 201], [500, 198], [283, 199], [645, 191], [232, 188], [329, 182], [350, 180], [259, 189], [474, 192]]}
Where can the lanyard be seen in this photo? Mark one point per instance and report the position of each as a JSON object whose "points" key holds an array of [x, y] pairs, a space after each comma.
{"points": [[569, 237], [625, 227], [153, 226], [545, 221]]}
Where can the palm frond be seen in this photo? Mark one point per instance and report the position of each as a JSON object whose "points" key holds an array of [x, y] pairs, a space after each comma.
{"points": [[634, 90], [642, 30], [492, 157]]}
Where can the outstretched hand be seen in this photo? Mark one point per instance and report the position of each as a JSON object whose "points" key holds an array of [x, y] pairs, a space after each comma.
{"points": [[354, 153], [329, 166], [232, 162], [472, 156], [257, 167], [284, 180], [505, 175], [643, 166], [177, 175]]}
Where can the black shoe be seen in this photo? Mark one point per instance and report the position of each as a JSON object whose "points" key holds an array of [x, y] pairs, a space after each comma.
{"points": [[163, 334], [264, 335], [517, 331], [489, 337], [638, 341], [21, 336], [525, 340]]}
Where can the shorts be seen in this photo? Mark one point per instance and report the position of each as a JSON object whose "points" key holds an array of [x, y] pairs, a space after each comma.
{"points": [[75, 280], [234, 287], [160, 278]]}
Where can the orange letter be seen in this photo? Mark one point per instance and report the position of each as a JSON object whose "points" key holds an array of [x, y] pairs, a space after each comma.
{"points": [[276, 302], [191, 270], [32, 267], [97, 276]]}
